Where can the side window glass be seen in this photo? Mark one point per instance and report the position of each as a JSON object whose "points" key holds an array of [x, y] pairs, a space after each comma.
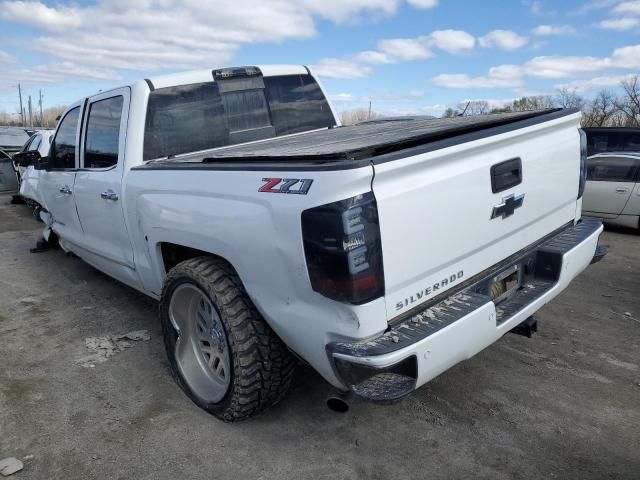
{"points": [[27, 145], [35, 143], [103, 133], [612, 169], [63, 148]]}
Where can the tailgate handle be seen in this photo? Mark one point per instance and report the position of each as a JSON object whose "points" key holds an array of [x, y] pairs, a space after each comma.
{"points": [[505, 175]]}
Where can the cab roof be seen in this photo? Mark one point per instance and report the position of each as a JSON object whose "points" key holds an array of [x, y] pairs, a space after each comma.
{"points": [[199, 76]]}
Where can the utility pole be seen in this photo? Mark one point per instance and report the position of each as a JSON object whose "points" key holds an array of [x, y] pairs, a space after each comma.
{"points": [[40, 103], [369, 116], [21, 109], [30, 113]]}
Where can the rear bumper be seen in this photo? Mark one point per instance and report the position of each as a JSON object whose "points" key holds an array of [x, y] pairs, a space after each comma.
{"points": [[428, 341]]}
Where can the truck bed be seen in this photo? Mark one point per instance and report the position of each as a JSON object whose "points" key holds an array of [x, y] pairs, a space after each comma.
{"points": [[365, 141]]}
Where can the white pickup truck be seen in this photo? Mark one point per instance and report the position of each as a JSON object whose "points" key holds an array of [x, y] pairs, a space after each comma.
{"points": [[381, 254]]}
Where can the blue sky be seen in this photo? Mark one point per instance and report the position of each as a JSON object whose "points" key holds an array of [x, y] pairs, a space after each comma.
{"points": [[406, 56]]}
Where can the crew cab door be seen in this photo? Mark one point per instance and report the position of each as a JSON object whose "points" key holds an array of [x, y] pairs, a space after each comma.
{"points": [[8, 180], [610, 181], [98, 187], [56, 183]]}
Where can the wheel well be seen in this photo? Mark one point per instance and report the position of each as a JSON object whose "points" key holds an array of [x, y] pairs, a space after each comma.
{"points": [[173, 254]]}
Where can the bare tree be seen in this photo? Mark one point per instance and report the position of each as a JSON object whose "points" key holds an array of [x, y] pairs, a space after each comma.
{"points": [[539, 102], [474, 107], [48, 120], [349, 117], [629, 104], [569, 98], [451, 112], [602, 110]]}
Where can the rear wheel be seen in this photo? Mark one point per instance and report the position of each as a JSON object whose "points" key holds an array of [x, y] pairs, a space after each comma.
{"points": [[221, 351]]}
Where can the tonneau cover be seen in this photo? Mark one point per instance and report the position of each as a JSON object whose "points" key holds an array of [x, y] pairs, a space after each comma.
{"points": [[365, 140]]}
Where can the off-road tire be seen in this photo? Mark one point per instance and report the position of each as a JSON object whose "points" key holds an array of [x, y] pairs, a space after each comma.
{"points": [[261, 365]]}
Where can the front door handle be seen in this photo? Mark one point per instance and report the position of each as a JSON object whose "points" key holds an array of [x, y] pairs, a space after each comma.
{"points": [[622, 190], [66, 190], [109, 195]]}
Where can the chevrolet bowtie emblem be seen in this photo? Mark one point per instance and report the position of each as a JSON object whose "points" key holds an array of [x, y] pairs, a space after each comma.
{"points": [[508, 206]]}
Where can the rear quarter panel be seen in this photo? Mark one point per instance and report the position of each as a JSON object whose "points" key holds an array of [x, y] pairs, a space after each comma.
{"points": [[222, 212]]}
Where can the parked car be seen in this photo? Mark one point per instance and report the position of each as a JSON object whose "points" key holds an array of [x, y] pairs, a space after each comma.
{"points": [[612, 139], [8, 180], [381, 255], [27, 175], [12, 139], [613, 188]]}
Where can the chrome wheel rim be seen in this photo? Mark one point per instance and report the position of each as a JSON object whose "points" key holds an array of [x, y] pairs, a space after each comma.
{"points": [[201, 350]]}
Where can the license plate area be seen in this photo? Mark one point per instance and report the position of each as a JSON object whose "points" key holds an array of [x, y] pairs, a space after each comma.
{"points": [[505, 284]]}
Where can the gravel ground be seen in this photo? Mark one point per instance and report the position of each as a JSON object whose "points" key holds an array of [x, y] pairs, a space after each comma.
{"points": [[565, 404]]}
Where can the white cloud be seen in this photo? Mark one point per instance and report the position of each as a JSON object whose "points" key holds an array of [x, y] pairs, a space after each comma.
{"points": [[557, 66], [595, 5], [584, 86], [342, 97], [39, 15], [405, 49], [552, 30], [340, 11], [5, 57], [373, 57], [553, 67], [497, 78], [503, 39], [395, 50], [620, 23], [630, 8], [626, 57], [152, 35], [55, 73], [423, 3], [340, 68], [452, 41]]}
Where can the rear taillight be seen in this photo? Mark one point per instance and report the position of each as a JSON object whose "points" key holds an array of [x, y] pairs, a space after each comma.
{"points": [[343, 251], [583, 162]]}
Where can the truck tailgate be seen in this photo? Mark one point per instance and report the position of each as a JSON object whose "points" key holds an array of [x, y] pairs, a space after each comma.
{"points": [[436, 206]]}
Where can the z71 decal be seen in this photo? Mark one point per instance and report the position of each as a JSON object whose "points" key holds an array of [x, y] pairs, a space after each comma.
{"points": [[299, 186]]}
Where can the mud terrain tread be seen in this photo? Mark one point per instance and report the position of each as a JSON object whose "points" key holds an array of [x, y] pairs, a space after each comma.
{"points": [[262, 365]]}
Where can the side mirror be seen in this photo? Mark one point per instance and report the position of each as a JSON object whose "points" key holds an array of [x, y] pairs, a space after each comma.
{"points": [[42, 164], [26, 159]]}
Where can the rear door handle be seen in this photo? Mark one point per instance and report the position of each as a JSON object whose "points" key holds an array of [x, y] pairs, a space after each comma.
{"points": [[109, 195], [622, 190], [66, 190]]}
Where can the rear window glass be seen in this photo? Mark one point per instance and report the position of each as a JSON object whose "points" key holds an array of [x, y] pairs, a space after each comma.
{"points": [[196, 117], [103, 133], [612, 169], [297, 104], [246, 109], [183, 119]]}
